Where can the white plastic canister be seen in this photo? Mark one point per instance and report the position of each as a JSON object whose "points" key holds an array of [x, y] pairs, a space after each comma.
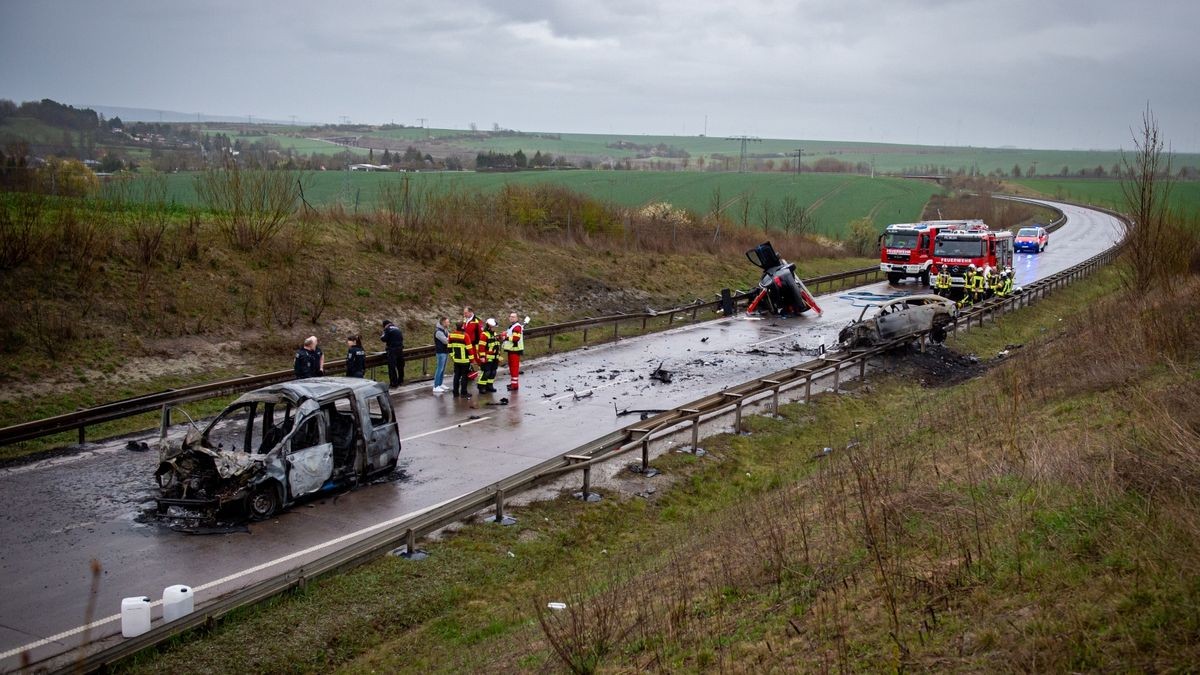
{"points": [[135, 616], [177, 602]]}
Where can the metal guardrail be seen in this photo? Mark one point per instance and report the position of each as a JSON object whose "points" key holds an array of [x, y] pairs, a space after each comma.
{"points": [[161, 401], [639, 435]]}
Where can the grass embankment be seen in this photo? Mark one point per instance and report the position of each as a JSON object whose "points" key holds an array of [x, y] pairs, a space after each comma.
{"points": [[134, 296], [1040, 517]]}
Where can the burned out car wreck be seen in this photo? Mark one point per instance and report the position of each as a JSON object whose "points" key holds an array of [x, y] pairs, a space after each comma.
{"points": [[279, 444]]}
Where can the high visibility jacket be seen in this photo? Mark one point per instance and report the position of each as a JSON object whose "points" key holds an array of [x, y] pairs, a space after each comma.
{"points": [[1007, 288], [943, 279], [459, 347], [968, 280], [490, 342], [472, 329], [513, 341], [975, 282]]}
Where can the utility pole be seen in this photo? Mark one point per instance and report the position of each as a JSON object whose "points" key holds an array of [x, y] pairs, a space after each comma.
{"points": [[422, 120], [742, 157], [799, 155]]}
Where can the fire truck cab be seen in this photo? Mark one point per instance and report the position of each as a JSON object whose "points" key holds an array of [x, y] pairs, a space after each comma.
{"points": [[907, 249], [976, 245]]}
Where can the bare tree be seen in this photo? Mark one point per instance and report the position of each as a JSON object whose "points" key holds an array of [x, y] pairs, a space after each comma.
{"points": [[793, 216], [1146, 185], [765, 214]]}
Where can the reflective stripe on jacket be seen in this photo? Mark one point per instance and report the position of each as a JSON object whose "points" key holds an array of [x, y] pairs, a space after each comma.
{"points": [[512, 339], [460, 349]]}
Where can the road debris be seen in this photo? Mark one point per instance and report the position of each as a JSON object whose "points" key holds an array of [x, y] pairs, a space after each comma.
{"points": [[661, 375]]}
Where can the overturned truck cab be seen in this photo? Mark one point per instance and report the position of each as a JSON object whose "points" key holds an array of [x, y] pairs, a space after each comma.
{"points": [[783, 291], [280, 444]]}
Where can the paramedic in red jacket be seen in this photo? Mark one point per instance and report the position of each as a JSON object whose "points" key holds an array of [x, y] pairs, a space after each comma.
{"points": [[514, 344]]}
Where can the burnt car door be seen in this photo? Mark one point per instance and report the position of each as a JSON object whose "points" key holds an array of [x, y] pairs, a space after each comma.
{"points": [[383, 439], [308, 456]]}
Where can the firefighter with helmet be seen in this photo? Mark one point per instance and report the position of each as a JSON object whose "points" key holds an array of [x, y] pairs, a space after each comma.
{"points": [[977, 286], [941, 283], [489, 350], [968, 286]]}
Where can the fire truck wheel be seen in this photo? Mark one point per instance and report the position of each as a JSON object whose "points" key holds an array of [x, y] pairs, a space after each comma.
{"points": [[925, 278], [894, 278]]}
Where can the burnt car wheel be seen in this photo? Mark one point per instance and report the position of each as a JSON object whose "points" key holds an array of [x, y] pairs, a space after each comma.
{"points": [[263, 502]]}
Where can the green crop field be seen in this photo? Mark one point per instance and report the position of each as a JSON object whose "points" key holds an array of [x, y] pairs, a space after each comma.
{"points": [[888, 158], [834, 200], [1185, 195]]}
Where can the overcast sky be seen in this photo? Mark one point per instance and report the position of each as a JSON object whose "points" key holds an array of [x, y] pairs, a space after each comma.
{"points": [[1028, 73]]}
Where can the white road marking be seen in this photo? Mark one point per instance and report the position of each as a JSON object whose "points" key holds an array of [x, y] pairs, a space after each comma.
{"points": [[232, 577], [453, 426]]}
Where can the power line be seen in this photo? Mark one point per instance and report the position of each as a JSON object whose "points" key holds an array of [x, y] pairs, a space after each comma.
{"points": [[799, 155]]}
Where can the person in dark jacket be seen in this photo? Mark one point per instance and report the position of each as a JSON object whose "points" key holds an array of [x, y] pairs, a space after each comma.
{"points": [[356, 357], [393, 340], [310, 362]]}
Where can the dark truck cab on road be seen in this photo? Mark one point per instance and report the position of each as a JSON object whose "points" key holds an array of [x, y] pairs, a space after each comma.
{"points": [[279, 444]]}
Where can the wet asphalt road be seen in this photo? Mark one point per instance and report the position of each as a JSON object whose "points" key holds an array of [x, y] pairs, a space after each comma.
{"points": [[60, 514]]}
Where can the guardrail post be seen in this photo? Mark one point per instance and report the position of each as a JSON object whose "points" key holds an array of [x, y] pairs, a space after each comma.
{"points": [[411, 552], [164, 421], [585, 330], [500, 518], [646, 456], [81, 435], [424, 366], [616, 329], [837, 374], [862, 362], [643, 323], [807, 388], [551, 344]]}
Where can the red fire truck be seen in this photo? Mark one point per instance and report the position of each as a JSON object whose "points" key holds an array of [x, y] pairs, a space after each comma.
{"points": [[907, 248], [975, 245]]}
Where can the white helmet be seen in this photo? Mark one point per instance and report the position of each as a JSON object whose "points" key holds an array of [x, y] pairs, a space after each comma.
{"points": [[971, 266], [491, 322]]}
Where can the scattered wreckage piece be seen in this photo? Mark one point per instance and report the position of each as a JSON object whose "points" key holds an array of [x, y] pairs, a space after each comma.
{"points": [[785, 294], [279, 444], [900, 317], [661, 375]]}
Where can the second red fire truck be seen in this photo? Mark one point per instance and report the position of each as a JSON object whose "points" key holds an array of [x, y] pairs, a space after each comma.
{"points": [[957, 249]]}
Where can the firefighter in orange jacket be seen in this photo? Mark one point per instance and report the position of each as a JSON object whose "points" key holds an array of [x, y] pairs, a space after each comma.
{"points": [[460, 354], [473, 328], [514, 344]]}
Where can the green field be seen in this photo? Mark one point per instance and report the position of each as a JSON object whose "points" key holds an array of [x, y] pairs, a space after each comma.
{"points": [[1185, 195], [888, 158], [834, 199]]}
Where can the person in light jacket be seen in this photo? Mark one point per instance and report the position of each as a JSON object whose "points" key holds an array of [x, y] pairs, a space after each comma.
{"points": [[441, 348]]}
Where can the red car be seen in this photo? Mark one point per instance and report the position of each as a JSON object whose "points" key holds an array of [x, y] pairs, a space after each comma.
{"points": [[1034, 239]]}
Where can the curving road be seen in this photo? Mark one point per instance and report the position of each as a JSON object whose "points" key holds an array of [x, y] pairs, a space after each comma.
{"points": [[60, 514]]}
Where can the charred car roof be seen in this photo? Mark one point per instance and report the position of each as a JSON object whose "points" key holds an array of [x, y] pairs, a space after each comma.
{"points": [[318, 388]]}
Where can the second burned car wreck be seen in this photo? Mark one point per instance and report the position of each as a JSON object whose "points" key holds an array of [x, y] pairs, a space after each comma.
{"points": [[279, 444]]}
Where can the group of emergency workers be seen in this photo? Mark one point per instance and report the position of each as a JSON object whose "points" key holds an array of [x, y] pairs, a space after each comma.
{"points": [[475, 347], [977, 284]]}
